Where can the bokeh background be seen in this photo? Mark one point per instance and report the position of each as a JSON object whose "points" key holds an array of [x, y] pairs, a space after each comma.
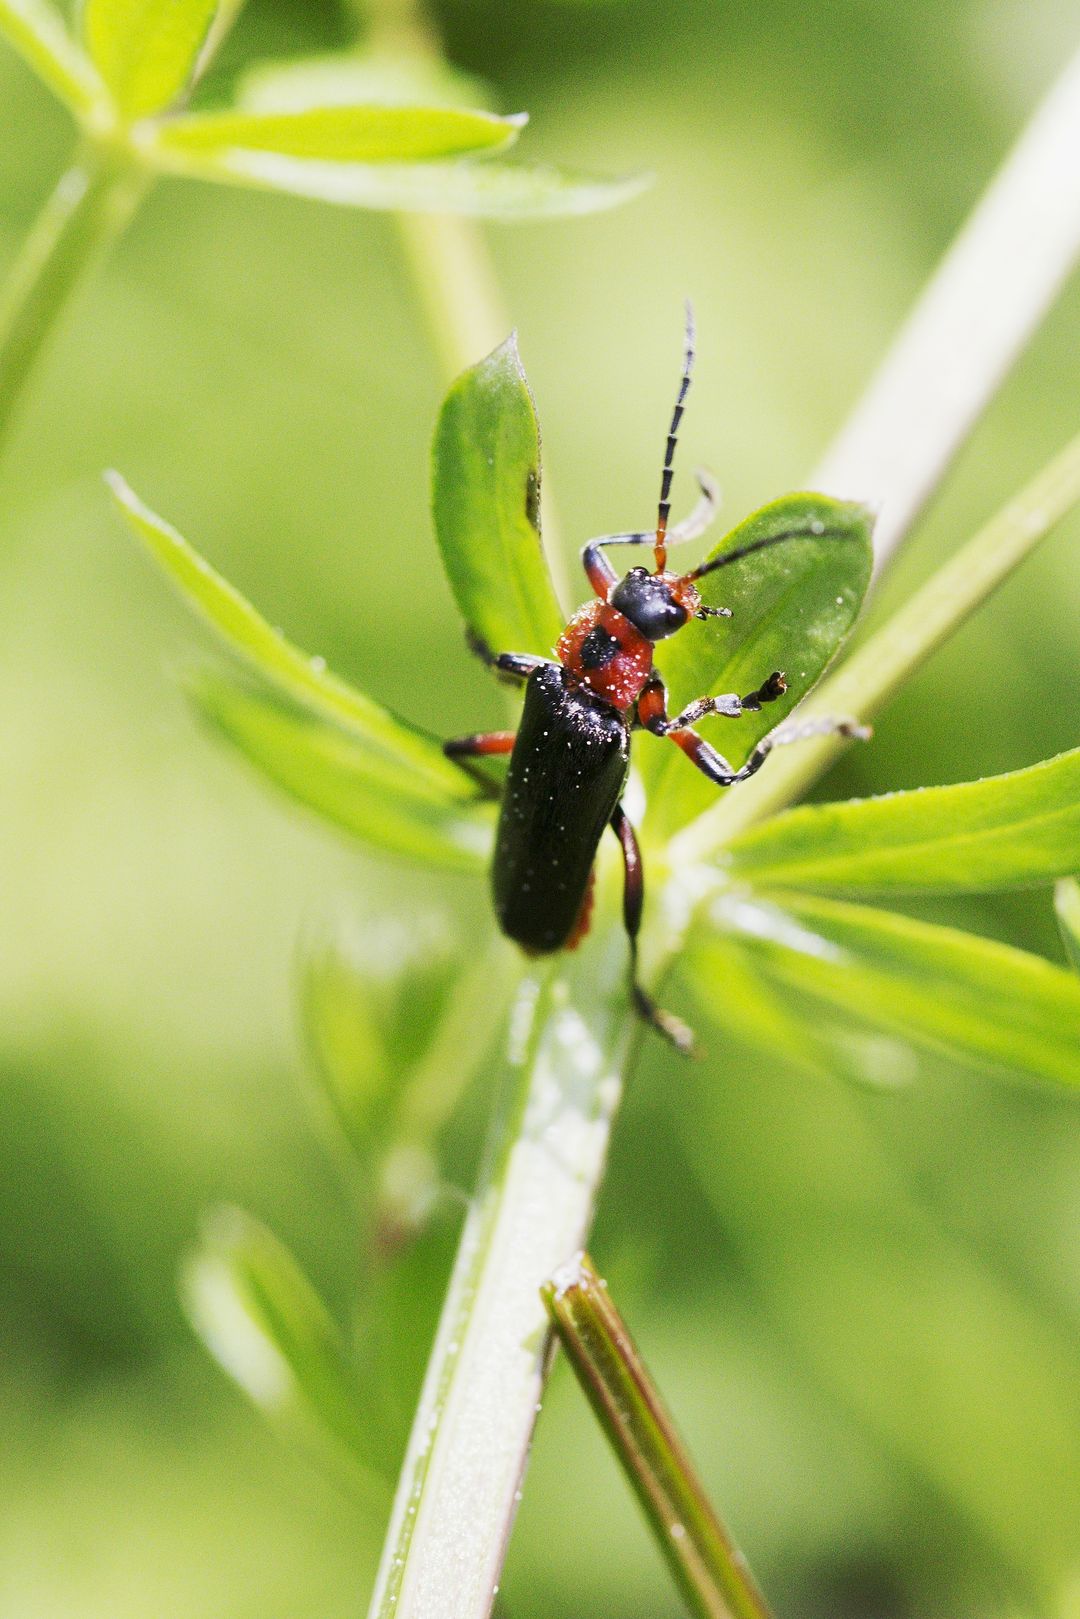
{"points": [[862, 1304]]}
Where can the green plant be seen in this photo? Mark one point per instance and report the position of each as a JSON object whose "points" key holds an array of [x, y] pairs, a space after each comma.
{"points": [[760, 907], [387, 127], [760, 903]]}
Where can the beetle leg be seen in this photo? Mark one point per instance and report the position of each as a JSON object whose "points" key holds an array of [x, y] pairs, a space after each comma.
{"points": [[481, 745], [653, 715], [672, 1028], [730, 706], [602, 575], [511, 665], [798, 731]]}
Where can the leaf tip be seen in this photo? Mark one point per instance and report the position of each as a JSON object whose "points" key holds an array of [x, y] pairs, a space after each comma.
{"points": [[118, 486]]}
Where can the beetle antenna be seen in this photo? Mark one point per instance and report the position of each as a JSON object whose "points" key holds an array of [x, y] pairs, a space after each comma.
{"points": [[711, 565], [664, 511]]}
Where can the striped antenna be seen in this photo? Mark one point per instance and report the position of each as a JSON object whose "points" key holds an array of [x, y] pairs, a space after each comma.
{"points": [[672, 439]]}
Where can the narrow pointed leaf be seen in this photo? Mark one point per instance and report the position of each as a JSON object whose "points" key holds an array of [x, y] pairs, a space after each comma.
{"points": [[1067, 906], [792, 605], [1005, 832], [147, 50], [760, 1013], [262, 1320], [337, 771], [374, 133], [38, 33], [488, 190], [973, 999], [373, 994], [486, 502], [272, 659]]}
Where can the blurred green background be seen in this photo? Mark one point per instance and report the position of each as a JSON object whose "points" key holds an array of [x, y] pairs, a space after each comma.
{"points": [[862, 1305]]}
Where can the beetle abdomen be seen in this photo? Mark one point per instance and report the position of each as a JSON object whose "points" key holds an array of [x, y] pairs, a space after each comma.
{"points": [[565, 777]]}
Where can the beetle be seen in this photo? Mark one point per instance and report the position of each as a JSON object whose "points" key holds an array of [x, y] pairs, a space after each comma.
{"points": [[570, 754]]}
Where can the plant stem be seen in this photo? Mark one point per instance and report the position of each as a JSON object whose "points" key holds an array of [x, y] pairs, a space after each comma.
{"points": [[457, 288], [450, 262], [89, 208], [461, 1478], [873, 674], [705, 1561], [974, 318]]}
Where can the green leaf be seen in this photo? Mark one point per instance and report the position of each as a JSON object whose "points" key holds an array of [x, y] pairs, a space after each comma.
{"points": [[781, 1028], [262, 1320], [973, 999], [377, 133], [37, 32], [486, 504], [792, 605], [346, 777], [332, 747], [488, 190], [270, 656], [373, 994], [1067, 906], [147, 50], [1005, 832], [345, 79]]}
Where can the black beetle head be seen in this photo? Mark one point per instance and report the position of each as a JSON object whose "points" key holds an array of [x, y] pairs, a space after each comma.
{"points": [[656, 604]]}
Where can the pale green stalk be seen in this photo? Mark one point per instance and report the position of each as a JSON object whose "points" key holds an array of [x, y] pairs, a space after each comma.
{"points": [[570, 1040], [90, 207], [974, 318]]}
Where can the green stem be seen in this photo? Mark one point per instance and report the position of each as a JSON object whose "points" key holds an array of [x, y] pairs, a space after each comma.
{"points": [[449, 261], [89, 208], [705, 1561], [872, 675], [570, 1041]]}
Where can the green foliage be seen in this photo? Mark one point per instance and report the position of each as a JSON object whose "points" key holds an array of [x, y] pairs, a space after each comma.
{"points": [[382, 76], [347, 773], [486, 504], [147, 50], [921, 1360], [371, 1000], [490, 190], [263, 1321], [792, 604], [1005, 832], [1067, 906], [973, 999], [312, 733], [38, 33], [336, 134]]}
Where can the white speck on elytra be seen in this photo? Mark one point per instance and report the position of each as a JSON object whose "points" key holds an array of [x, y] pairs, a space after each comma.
{"points": [[677, 1531]]}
